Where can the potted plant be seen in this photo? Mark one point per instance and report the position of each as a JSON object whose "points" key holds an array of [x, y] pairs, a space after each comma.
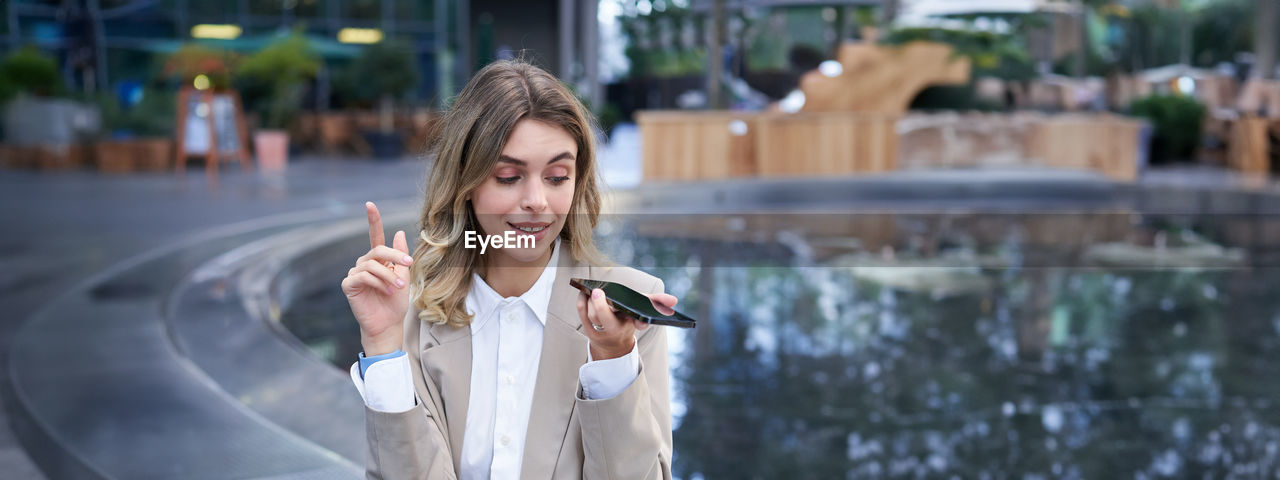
{"points": [[28, 81], [396, 74], [28, 71], [138, 136], [1177, 121], [151, 123], [112, 152], [282, 68]]}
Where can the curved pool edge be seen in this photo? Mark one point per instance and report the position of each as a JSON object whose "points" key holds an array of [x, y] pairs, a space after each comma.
{"points": [[134, 390]]}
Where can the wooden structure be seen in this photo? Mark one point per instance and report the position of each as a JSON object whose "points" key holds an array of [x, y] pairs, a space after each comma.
{"points": [[1249, 149], [1104, 143], [213, 154], [45, 157], [849, 124], [338, 132], [134, 154], [846, 125], [881, 78], [1250, 146], [1109, 144], [681, 145], [1258, 96], [831, 143]]}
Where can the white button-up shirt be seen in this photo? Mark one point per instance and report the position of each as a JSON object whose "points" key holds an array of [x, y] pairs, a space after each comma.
{"points": [[506, 345]]}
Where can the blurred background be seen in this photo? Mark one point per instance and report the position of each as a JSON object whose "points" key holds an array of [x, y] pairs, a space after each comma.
{"points": [[923, 238]]}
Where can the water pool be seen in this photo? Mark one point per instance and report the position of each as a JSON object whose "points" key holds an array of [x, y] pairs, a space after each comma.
{"points": [[939, 345]]}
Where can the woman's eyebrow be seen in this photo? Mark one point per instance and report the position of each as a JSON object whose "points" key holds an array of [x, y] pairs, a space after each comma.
{"points": [[508, 159]]}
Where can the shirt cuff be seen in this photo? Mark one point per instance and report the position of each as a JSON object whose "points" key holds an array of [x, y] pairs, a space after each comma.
{"points": [[387, 385], [605, 379], [365, 362]]}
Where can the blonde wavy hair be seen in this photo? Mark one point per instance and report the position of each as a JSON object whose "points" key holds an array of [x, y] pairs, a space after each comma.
{"points": [[466, 144]]}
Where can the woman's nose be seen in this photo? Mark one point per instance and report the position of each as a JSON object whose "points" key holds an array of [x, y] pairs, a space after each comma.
{"points": [[535, 198]]}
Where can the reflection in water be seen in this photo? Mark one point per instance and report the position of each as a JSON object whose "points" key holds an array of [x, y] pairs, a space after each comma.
{"points": [[938, 346]]}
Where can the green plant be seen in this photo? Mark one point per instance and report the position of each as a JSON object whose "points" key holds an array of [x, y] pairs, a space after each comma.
{"points": [[282, 68], [29, 71], [865, 16], [1222, 28], [657, 44], [387, 71], [395, 66], [610, 116], [605, 117], [1177, 120], [996, 55], [109, 111], [152, 116]]}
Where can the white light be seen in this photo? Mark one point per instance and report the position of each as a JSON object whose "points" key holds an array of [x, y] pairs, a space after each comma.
{"points": [[644, 7], [202, 110], [221, 32], [360, 35], [831, 68], [829, 14], [608, 11], [793, 102], [737, 128], [1186, 85]]}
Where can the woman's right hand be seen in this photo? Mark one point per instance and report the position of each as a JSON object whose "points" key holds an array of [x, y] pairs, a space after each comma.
{"points": [[378, 294]]}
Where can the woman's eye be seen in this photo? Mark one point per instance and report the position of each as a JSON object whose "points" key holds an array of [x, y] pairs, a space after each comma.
{"points": [[508, 180], [558, 180]]}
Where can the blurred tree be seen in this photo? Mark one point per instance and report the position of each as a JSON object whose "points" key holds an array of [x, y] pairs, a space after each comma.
{"points": [[282, 70], [1222, 29], [999, 55], [1146, 42], [29, 71], [656, 41], [383, 72]]}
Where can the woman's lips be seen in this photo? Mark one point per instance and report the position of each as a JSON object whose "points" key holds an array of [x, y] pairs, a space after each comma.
{"points": [[537, 236]]}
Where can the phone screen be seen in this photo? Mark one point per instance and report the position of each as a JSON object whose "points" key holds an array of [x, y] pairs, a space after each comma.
{"points": [[632, 301]]}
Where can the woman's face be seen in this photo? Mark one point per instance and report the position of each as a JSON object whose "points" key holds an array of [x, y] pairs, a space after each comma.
{"points": [[529, 191]]}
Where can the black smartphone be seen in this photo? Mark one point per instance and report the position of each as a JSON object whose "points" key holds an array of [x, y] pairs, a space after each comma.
{"points": [[632, 302]]}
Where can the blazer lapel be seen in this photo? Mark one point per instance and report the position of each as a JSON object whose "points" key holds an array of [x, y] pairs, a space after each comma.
{"points": [[446, 357], [564, 349]]}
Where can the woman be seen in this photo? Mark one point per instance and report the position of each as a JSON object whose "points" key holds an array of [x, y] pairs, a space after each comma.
{"points": [[481, 361]]}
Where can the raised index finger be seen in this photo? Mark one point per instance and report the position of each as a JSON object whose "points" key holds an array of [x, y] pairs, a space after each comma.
{"points": [[375, 225]]}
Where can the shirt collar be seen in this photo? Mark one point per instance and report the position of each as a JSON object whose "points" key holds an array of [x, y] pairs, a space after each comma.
{"points": [[482, 300]]}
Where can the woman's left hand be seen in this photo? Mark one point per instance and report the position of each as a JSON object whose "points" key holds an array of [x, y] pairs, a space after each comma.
{"points": [[617, 335]]}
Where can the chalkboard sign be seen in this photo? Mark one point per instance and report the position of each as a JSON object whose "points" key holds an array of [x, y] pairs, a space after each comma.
{"points": [[210, 124]]}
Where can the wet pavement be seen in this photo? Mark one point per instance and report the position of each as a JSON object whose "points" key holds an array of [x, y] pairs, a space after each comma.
{"points": [[63, 227]]}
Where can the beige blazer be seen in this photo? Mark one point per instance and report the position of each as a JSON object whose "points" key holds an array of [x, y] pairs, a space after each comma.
{"points": [[569, 437]]}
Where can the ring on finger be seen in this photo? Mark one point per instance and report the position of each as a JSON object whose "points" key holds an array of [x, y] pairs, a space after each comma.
{"points": [[599, 328]]}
